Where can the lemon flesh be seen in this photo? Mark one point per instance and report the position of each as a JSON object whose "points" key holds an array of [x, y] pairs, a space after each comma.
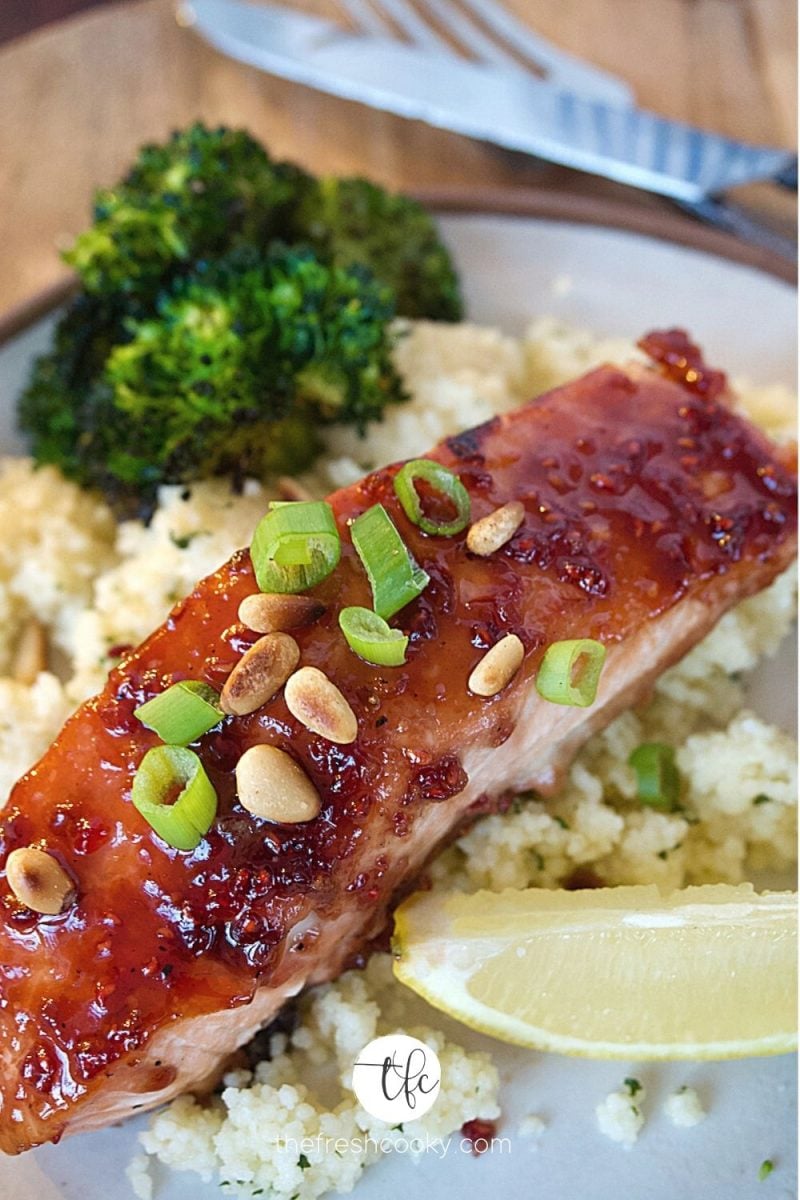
{"points": [[623, 972]]}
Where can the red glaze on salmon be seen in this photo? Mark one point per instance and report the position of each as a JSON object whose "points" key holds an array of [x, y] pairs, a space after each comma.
{"points": [[650, 509]]}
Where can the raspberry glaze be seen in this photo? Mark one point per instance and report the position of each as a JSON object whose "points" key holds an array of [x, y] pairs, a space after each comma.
{"points": [[638, 491]]}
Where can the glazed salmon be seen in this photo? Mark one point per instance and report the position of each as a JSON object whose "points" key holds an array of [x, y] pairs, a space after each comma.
{"points": [[649, 509]]}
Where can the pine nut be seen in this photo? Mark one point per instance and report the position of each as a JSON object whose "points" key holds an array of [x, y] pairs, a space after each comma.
{"points": [[497, 667], [31, 653], [291, 489], [269, 613], [320, 706], [38, 881], [273, 786], [495, 529], [259, 673]]}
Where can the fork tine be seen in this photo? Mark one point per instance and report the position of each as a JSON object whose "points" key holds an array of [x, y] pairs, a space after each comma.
{"points": [[406, 18], [382, 18], [571, 72], [467, 33], [365, 17]]}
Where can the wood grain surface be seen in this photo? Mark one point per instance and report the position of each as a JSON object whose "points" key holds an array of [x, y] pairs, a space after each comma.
{"points": [[18, 17], [79, 96]]}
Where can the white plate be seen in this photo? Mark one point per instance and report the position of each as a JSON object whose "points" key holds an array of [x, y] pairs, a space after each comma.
{"points": [[617, 284]]}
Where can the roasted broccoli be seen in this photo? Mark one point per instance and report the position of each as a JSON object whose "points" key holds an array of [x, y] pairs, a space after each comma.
{"points": [[240, 364], [231, 306], [208, 190], [353, 220], [52, 406], [201, 194]]}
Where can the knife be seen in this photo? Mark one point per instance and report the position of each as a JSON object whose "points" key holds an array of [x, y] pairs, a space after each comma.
{"points": [[513, 109]]}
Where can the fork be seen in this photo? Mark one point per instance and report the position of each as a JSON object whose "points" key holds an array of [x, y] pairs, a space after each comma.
{"points": [[490, 35], [469, 66]]}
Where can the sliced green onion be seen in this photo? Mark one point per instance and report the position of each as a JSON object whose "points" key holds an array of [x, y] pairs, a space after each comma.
{"points": [[658, 783], [440, 480], [295, 546], [570, 672], [175, 796], [371, 638], [183, 713], [394, 576]]}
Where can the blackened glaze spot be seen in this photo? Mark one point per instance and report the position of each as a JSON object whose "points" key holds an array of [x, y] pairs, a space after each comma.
{"points": [[466, 446]]}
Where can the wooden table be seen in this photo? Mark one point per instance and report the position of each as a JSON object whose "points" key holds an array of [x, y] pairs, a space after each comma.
{"points": [[18, 17], [78, 97]]}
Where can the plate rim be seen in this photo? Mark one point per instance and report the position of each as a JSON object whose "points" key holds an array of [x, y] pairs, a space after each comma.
{"points": [[650, 1149], [569, 208], [604, 212]]}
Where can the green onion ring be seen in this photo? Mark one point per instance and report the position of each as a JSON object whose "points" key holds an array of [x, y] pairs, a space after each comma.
{"points": [[441, 480], [295, 546], [658, 783], [184, 822], [556, 679], [183, 713], [394, 576], [371, 638]]}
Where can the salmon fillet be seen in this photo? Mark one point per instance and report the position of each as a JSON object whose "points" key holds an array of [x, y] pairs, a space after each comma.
{"points": [[650, 509]]}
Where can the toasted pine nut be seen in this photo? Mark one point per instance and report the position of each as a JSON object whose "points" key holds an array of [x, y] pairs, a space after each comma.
{"points": [[495, 529], [38, 881], [320, 706], [259, 673], [497, 667], [267, 613], [715, 483], [290, 489], [273, 786], [31, 653]]}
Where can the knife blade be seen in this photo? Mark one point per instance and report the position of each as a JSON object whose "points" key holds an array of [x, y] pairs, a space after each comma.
{"points": [[510, 109]]}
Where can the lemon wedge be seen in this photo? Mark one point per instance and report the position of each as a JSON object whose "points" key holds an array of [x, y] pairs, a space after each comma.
{"points": [[623, 972]]}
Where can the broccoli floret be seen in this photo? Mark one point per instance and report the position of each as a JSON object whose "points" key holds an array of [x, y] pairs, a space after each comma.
{"points": [[231, 306], [199, 195], [353, 220], [241, 363], [61, 381]]}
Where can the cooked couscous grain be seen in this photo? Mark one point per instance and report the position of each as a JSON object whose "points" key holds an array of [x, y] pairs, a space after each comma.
{"points": [[684, 1108], [621, 1116]]}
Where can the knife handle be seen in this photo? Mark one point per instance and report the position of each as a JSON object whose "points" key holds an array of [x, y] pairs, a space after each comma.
{"points": [[735, 220], [787, 178]]}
